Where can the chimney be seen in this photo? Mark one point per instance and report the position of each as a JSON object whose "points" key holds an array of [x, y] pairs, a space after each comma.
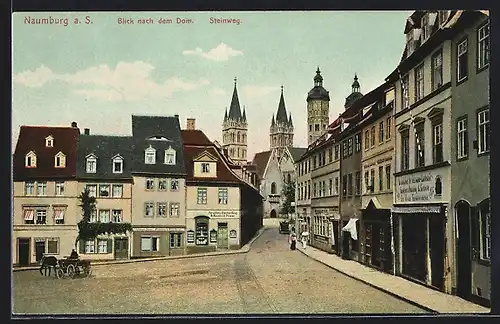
{"points": [[191, 124], [74, 125], [86, 131]]}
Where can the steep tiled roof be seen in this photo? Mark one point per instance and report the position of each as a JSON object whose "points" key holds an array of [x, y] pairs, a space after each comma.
{"points": [[32, 138], [260, 161], [297, 152], [105, 148], [160, 133], [194, 137]]}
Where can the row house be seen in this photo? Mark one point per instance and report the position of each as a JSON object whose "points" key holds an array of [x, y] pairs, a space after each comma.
{"points": [[376, 167], [432, 192], [470, 165], [159, 193], [104, 168], [222, 211], [350, 172], [303, 192], [45, 191]]}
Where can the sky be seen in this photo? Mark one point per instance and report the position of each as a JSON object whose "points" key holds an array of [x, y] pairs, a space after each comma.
{"points": [[99, 72]]}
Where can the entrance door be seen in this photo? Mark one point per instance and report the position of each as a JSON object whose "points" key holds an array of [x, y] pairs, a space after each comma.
{"points": [[222, 241], [376, 245], [464, 267], [436, 246], [121, 248], [39, 250], [23, 250]]}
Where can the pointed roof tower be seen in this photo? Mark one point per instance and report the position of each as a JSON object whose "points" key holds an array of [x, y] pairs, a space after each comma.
{"points": [[244, 114], [225, 115], [281, 116], [272, 122], [234, 108], [290, 123]]}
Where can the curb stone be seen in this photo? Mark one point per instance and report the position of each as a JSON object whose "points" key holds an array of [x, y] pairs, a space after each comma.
{"points": [[412, 302], [244, 249]]}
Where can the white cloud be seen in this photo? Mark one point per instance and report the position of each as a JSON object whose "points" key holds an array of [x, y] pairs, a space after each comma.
{"points": [[128, 81], [220, 53], [218, 92], [252, 91]]}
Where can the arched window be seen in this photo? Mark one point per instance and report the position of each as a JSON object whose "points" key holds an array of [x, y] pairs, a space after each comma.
{"points": [[438, 186], [232, 137], [244, 138], [238, 151], [289, 178], [273, 188], [238, 137]]}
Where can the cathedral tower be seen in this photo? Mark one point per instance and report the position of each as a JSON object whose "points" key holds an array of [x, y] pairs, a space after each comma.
{"points": [[318, 109], [355, 94], [234, 130], [281, 130]]}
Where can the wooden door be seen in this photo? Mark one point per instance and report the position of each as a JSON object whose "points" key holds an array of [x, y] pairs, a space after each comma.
{"points": [[23, 250], [222, 236], [121, 248]]}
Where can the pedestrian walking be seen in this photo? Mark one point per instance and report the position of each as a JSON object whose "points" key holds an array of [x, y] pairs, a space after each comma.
{"points": [[303, 238], [293, 240]]}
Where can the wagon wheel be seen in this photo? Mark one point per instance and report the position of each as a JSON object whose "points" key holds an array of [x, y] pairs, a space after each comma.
{"points": [[59, 273], [71, 271]]}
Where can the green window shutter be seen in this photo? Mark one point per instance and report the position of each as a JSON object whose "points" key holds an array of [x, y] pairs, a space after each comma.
{"points": [[81, 244], [474, 232], [110, 246]]}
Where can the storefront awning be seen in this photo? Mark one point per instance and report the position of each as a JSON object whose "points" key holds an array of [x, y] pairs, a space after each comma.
{"points": [[351, 228], [416, 209], [58, 214], [29, 214]]}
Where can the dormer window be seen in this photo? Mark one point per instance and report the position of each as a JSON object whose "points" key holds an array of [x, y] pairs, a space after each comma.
{"points": [[150, 155], [91, 163], [205, 167], [170, 156], [49, 141], [117, 164], [425, 27], [30, 160], [60, 160]]}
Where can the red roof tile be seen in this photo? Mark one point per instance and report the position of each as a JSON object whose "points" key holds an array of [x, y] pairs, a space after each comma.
{"points": [[32, 138], [195, 137]]}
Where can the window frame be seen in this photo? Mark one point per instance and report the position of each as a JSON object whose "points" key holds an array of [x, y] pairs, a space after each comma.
{"points": [[462, 134], [117, 161], [419, 82], [437, 146], [405, 150], [436, 69], [381, 135], [480, 135], [486, 39], [222, 194], [464, 53], [201, 196], [59, 188], [151, 205], [91, 164]]}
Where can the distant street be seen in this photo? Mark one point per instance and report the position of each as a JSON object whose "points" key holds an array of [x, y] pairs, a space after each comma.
{"points": [[268, 279]]}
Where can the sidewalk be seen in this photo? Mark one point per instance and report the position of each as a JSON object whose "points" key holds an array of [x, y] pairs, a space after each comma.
{"points": [[416, 294], [244, 249]]}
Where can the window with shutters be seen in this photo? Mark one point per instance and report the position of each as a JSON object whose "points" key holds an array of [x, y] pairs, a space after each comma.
{"points": [[462, 139]]}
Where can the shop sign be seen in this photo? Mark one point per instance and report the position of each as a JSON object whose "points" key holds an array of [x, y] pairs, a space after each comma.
{"points": [[223, 214], [418, 187]]}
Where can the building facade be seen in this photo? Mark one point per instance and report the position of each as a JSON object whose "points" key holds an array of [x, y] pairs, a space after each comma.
{"points": [[350, 172], [159, 192], [45, 191], [234, 130], [377, 181], [423, 221], [222, 210], [104, 169], [470, 165]]}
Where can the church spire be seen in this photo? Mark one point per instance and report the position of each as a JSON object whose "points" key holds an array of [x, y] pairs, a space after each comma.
{"points": [[244, 114], [355, 84], [225, 115], [234, 108], [281, 115]]}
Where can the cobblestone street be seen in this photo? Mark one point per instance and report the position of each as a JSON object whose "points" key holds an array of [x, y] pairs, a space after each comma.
{"points": [[268, 279]]}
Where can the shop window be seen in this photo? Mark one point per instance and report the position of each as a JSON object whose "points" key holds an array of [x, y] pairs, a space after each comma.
{"points": [[150, 244], [175, 240], [202, 196], [201, 231], [52, 246]]}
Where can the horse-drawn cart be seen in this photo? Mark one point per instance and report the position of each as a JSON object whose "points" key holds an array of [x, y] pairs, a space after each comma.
{"points": [[73, 267]]}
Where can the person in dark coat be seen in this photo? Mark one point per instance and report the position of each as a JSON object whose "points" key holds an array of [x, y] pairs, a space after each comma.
{"points": [[73, 255], [293, 239]]}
